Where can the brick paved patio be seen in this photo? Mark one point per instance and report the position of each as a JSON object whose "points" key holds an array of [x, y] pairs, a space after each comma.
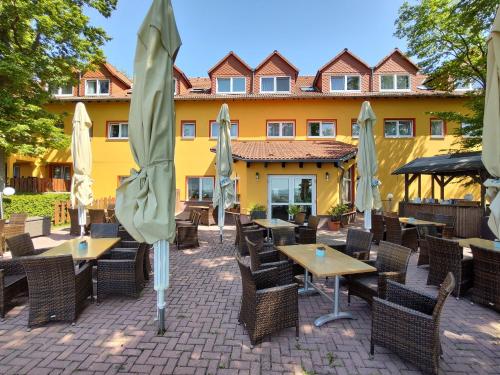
{"points": [[203, 336]]}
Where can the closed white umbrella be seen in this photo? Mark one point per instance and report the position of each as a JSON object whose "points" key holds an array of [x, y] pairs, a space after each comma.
{"points": [[81, 152], [145, 202], [224, 194], [367, 192], [491, 126]]}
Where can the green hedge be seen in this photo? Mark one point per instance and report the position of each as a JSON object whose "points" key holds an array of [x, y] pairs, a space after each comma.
{"points": [[33, 204]]}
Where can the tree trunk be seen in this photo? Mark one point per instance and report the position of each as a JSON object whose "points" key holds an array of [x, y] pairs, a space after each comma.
{"points": [[3, 168]]}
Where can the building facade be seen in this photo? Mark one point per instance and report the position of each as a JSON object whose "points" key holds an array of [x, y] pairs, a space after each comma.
{"points": [[294, 137]]}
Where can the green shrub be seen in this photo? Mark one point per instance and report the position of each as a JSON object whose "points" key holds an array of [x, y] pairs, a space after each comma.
{"points": [[33, 204]]}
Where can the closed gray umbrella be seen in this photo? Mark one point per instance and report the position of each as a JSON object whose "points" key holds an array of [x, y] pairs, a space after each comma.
{"points": [[145, 202]]}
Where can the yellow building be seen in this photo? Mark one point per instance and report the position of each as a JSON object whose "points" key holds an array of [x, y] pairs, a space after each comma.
{"points": [[294, 136]]}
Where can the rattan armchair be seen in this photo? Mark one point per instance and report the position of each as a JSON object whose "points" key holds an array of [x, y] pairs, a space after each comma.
{"points": [[448, 231], [262, 259], [12, 282], [447, 256], [122, 273], [22, 245], [391, 264], [284, 236], [422, 232], [486, 290], [307, 234], [378, 227], [357, 245], [75, 228], [18, 218], [407, 323], [244, 230], [406, 237], [187, 234], [134, 245], [266, 308], [97, 215], [56, 292], [189, 220], [104, 230]]}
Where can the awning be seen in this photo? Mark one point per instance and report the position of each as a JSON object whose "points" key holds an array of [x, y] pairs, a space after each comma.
{"points": [[449, 164]]}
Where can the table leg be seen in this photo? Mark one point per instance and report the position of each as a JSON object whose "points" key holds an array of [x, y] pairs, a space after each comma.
{"points": [[269, 235], [307, 290], [336, 314]]}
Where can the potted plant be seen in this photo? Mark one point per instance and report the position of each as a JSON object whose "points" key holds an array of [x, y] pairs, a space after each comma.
{"points": [[257, 211], [293, 210], [336, 213]]}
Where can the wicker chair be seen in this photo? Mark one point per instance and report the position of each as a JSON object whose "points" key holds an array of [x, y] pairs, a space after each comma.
{"points": [[307, 234], [97, 216], [486, 290], [22, 245], [407, 323], [189, 220], [265, 307], [146, 261], [122, 273], [75, 228], [104, 230], [12, 282], [242, 231], [391, 264], [56, 292], [447, 256], [239, 227], [486, 232], [378, 227], [422, 232], [283, 236], [187, 234], [450, 221], [263, 259], [406, 237], [124, 235], [426, 216], [357, 245]]}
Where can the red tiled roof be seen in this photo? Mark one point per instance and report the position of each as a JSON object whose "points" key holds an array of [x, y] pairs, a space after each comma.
{"points": [[275, 52], [398, 51], [331, 61], [308, 151], [122, 77], [231, 53]]}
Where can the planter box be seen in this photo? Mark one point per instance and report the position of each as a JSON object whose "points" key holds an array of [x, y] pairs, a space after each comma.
{"points": [[38, 226]]}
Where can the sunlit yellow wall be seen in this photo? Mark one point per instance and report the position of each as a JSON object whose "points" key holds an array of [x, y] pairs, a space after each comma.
{"points": [[193, 157]]}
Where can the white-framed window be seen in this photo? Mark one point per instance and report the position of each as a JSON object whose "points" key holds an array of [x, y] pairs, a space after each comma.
{"points": [[354, 129], [200, 188], [97, 87], [231, 85], [398, 128], [321, 129], [437, 128], [214, 130], [461, 85], [280, 129], [466, 132], [275, 85], [117, 130], [345, 83], [188, 130], [395, 82], [66, 90]]}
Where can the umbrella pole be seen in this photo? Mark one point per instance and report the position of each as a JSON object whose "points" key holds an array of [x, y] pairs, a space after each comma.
{"points": [[368, 219], [221, 217], [161, 278], [82, 219]]}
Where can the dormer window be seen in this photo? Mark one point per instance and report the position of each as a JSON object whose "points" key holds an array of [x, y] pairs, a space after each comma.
{"points": [[97, 87], [345, 83], [231, 85], [274, 85], [66, 90], [461, 85], [394, 82]]}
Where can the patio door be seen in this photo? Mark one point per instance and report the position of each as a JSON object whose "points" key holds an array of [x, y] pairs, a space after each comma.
{"points": [[290, 190]]}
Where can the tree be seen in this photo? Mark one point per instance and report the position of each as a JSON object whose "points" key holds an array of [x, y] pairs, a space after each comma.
{"points": [[43, 44], [448, 37]]}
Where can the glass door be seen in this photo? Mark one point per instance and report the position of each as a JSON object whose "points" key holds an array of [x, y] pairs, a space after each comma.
{"points": [[291, 190]]}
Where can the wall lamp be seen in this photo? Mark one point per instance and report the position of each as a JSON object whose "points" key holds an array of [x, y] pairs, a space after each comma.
{"points": [[257, 176], [327, 176]]}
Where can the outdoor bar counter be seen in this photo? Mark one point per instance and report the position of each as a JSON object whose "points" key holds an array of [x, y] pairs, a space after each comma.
{"points": [[468, 215]]}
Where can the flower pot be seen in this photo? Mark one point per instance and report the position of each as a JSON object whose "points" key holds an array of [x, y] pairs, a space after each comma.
{"points": [[334, 225]]}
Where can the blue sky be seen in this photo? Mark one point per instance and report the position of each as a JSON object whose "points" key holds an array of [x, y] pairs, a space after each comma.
{"points": [[307, 32]]}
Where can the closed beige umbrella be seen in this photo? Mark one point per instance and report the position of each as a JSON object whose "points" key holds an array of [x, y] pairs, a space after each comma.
{"points": [[145, 202], [224, 194], [491, 126], [367, 192], [81, 152]]}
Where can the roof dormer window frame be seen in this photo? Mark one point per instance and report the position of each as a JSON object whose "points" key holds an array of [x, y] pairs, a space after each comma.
{"points": [[231, 85], [59, 91], [275, 84], [98, 87], [345, 76], [395, 82]]}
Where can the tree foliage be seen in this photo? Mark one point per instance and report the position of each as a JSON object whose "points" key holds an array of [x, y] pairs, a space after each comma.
{"points": [[43, 44], [448, 37]]}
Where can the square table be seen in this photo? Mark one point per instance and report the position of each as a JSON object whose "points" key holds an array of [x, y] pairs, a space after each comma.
{"points": [[96, 248], [406, 220], [479, 242], [273, 223], [334, 263]]}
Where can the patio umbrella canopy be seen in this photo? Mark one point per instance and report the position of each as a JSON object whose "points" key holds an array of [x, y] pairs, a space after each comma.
{"points": [[81, 152], [224, 194], [367, 192], [491, 127], [145, 202]]}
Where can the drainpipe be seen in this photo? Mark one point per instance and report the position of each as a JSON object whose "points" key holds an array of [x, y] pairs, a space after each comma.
{"points": [[340, 166], [253, 82], [371, 79], [79, 83]]}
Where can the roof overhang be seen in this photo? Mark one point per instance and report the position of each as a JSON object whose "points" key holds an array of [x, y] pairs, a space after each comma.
{"points": [[458, 164]]}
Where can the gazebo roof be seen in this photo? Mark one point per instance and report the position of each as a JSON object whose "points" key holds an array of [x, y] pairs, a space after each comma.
{"points": [[449, 164]]}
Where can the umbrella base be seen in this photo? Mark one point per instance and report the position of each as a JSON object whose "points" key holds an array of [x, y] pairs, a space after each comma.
{"points": [[161, 322]]}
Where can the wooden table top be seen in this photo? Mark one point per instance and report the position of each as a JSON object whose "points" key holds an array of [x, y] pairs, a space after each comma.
{"points": [[96, 248], [479, 242], [274, 223], [406, 220], [332, 264], [200, 207]]}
